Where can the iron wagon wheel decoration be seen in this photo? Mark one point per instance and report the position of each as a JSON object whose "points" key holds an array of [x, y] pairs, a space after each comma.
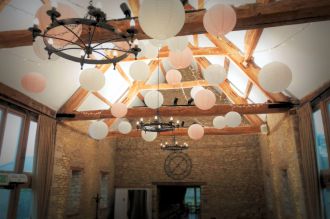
{"points": [[177, 165]]}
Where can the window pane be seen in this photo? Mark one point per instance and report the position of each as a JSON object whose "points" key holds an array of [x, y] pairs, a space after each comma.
{"points": [[4, 202], [24, 209], [29, 155], [10, 143]]}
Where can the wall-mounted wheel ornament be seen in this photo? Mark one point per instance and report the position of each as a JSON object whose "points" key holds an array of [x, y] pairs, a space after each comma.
{"points": [[177, 165]]}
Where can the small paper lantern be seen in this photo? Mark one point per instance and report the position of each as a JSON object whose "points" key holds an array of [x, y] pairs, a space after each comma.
{"points": [[219, 122], [173, 76], [219, 20], [205, 99], [181, 59], [154, 99], [118, 110], [124, 127], [161, 19], [149, 136], [34, 82], [195, 90], [215, 74], [196, 131], [98, 130], [151, 51], [233, 119], [275, 77], [139, 71], [178, 44], [92, 79]]}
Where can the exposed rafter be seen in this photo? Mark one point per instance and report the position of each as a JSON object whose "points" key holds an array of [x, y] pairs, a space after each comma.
{"points": [[102, 98], [250, 43]]}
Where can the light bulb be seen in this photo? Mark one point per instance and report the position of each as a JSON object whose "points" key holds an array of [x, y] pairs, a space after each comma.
{"points": [[171, 118], [159, 126], [54, 4], [132, 23], [115, 53], [176, 142], [156, 117], [50, 41], [36, 21], [178, 121], [141, 119], [137, 123], [166, 143], [136, 42]]}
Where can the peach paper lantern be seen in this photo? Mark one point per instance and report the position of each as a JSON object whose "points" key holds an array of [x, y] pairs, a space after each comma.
{"points": [[119, 110], [34, 82], [220, 19], [196, 131], [182, 59], [173, 76], [204, 99]]}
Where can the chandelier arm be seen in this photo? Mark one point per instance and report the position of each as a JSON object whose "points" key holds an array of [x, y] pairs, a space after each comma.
{"points": [[107, 41], [102, 54], [74, 34], [57, 38], [61, 50], [91, 37]]}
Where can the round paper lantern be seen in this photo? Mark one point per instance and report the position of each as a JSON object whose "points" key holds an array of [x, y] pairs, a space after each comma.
{"points": [[275, 77], [161, 19], [178, 44], [149, 136], [122, 45], [124, 127], [118, 110], [139, 71], [219, 122], [219, 20], [92, 79], [154, 99], [60, 31], [151, 51], [233, 119], [39, 49], [195, 90], [196, 131], [215, 74], [98, 130], [173, 76], [205, 99], [181, 59], [34, 82]]}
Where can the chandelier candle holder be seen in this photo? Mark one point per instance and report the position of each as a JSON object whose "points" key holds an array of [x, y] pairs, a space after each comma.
{"points": [[86, 45], [157, 125], [175, 146]]}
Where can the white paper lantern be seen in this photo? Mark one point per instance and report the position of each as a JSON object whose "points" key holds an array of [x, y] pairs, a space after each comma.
{"points": [[151, 51], [233, 119], [219, 122], [195, 90], [178, 44], [124, 127], [215, 74], [39, 49], [139, 71], [275, 77], [161, 19], [173, 76], [154, 99], [196, 131], [92, 79], [118, 110], [205, 99], [149, 136], [98, 130]]}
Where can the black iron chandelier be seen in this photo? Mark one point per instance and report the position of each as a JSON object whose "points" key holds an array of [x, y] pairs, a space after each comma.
{"points": [[157, 125], [94, 21], [174, 146]]}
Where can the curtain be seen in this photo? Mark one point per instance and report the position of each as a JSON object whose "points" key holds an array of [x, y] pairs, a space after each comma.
{"points": [[44, 165], [308, 162], [137, 204]]}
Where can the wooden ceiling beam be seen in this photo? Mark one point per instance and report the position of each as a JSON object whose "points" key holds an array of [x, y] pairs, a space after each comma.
{"points": [[3, 4], [249, 16], [102, 98], [251, 40]]}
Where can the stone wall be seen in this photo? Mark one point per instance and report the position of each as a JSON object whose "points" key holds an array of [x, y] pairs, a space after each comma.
{"points": [[229, 167], [76, 151]]}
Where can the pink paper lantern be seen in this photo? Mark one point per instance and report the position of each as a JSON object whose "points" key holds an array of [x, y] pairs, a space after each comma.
{"points": [[119, 110], [196, 131], [33, 82], [205, 99], [173, 76], [220, 19], [181, 59]]}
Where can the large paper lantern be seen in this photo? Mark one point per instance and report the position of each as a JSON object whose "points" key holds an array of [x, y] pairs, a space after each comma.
{"points": [[205, 99], [215, 74], [39, 49], [60, 31], [151, 51], [181, 59], [161, 19], [149, 136], [92, 79], [154, 99], [34, 82], [195, 90], [98, 130], [118, 110], [178, 44], [196, 131], [173, 76], [275, 77], [124, 127], [219, 122], [139, 71], [233, 119], [219, 20]]}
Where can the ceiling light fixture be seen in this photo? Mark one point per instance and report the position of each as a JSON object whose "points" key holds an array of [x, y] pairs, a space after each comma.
{"points": [[174, 146]]}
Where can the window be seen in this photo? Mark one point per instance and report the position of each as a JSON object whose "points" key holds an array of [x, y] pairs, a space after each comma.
{"points": [[320, 143], [104, 190], [73, 201]]}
